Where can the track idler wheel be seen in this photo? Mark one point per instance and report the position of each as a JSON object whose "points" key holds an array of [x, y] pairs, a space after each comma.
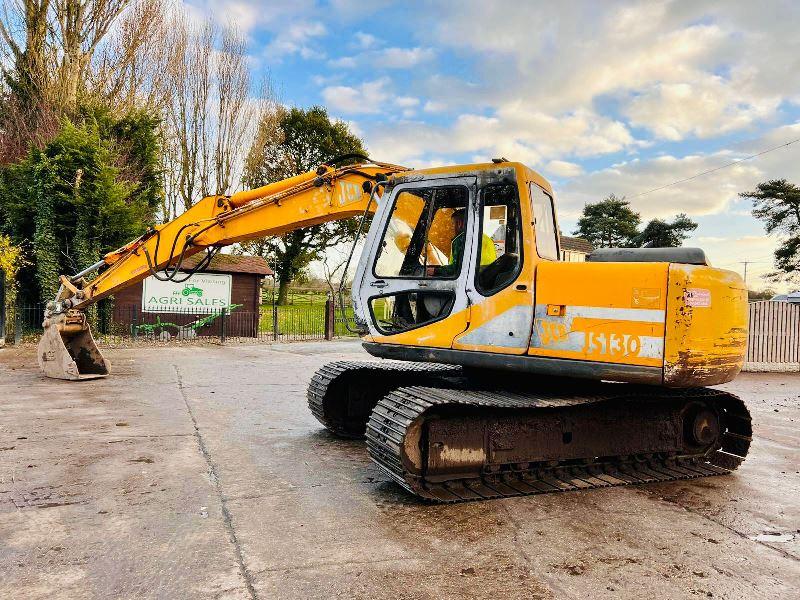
{"points": [[701, 425]]}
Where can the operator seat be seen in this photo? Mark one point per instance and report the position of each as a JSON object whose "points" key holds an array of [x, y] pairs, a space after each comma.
{"points": [[499, 272]]}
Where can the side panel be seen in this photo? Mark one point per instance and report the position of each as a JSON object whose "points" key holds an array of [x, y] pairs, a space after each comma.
{"points": [[601, 312], [436, 335], [707, 326]]}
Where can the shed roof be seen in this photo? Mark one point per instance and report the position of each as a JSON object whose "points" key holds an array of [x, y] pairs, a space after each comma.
{"points": [[576, 244], [230, 263]]}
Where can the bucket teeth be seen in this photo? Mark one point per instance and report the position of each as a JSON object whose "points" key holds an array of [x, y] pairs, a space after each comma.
{"points": [[67, 349]]}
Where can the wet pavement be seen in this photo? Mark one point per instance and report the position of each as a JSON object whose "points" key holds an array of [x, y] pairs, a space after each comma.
{"points": [[198, 472]]}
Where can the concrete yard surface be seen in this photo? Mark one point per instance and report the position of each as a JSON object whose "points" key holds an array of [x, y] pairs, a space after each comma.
{"points": [[198, 472]]}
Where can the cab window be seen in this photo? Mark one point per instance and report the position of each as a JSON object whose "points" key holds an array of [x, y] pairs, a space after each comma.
{"points": [[544, 223], [424, 237], [500, 248], [400, 312]]}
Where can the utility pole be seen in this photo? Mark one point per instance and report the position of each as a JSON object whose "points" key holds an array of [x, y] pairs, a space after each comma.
{"points": [[745, 263]]}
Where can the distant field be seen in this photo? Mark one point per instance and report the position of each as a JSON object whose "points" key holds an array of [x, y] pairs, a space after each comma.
{"points": [[299, 298], [304, 315], [302, 319]]}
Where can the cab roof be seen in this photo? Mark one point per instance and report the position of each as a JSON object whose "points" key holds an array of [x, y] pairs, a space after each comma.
{"points": [[523, 172]]}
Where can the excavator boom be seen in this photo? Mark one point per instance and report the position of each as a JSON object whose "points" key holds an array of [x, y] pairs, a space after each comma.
{"points": [[67, 349]]}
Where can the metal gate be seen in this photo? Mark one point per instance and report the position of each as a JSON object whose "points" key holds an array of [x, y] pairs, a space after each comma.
{"points": [[773, 342]]}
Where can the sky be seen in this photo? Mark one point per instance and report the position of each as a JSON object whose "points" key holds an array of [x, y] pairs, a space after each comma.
{"points": [[599, 97]]}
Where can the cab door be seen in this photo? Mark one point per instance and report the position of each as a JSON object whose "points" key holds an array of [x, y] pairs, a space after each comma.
{"points": [[410, 288], [501, 275]]}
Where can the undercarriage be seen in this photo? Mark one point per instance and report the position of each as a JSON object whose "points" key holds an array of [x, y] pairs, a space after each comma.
{"points": [[448, 436]]}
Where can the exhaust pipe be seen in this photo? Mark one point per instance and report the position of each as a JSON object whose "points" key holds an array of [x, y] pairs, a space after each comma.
{"points": [[67, 349]]}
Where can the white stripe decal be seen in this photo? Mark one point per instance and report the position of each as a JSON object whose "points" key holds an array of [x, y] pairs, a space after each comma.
{"points": [[644, 315], [556, 333]]}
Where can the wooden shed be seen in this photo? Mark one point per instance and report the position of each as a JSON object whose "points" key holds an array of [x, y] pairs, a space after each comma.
{"points": [[230, 282]]}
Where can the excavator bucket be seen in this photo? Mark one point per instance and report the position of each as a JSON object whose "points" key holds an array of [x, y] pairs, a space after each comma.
{"points": [[67, 349]]}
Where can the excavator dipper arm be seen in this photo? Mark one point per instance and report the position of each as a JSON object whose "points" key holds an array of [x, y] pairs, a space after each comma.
{"points": [[67, 349]]}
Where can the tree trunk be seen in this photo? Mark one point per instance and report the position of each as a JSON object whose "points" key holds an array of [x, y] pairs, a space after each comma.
{"points": [[35, 56], [283, 291]]}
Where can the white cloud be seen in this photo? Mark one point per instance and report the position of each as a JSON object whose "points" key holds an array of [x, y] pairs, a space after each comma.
{"points": [[514, 131], [563, 168], [578, 133], [365, 41], [408, 106], [368, 97], [704, 108], [402, 58], [387, 58], [432, 106], [295, 39], [323, 80], [231, 13], [249, 15], [677, 69], [348, 9], [703, 196], [343, 62], [406, 101]]}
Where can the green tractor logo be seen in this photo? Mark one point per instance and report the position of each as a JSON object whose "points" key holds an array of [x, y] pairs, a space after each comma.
{"points": [[189, 290]]}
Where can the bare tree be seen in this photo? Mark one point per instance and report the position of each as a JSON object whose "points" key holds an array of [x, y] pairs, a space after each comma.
{"points": [[189, 81], [56, 52], [81, 27], [212, 114], [235, 110], [26, 114], [333, 271], [129, 70], [24, 30]]}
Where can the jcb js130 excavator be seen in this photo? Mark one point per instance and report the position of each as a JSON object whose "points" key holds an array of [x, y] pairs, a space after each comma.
{"points": [[512, 372]]}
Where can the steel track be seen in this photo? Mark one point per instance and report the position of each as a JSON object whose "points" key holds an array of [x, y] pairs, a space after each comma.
{"points": [[405, 407], [329, 393]]}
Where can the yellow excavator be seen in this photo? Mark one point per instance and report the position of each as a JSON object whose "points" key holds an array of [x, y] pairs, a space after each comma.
{"points": [[509, 372]]}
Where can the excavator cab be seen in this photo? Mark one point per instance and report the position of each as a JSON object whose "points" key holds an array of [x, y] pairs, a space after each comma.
{"points": [[448, 252]]}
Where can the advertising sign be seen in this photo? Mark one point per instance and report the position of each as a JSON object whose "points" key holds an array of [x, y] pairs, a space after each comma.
{"points": [[201, 293]]}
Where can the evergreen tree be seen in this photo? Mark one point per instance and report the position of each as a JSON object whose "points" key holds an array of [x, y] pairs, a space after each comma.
{"points": [[661, 234], [610, 223], [91, 189], [777, 203]]}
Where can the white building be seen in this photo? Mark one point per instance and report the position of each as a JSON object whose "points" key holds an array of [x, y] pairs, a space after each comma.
{"points": [[574, 249]]}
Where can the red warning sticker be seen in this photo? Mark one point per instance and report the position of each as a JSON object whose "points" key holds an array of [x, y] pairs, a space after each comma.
{"points": [[697, 297]]}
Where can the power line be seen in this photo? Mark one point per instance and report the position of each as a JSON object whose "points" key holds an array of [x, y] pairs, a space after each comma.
{"points": [[739, 262], [725, 166]]}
